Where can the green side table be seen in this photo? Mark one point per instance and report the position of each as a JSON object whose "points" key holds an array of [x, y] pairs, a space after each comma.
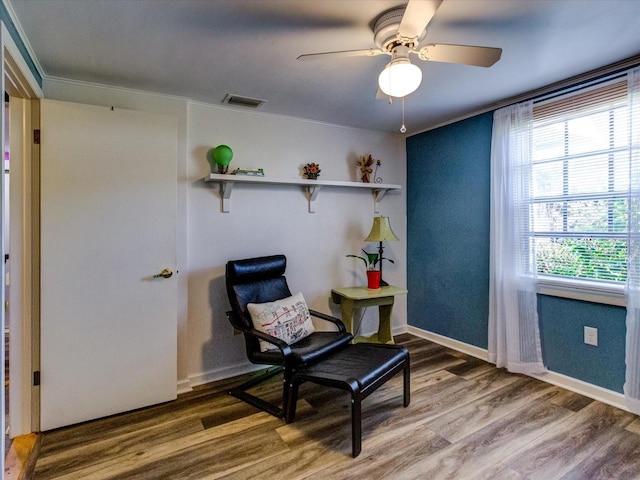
{"points": [[350, 298]]}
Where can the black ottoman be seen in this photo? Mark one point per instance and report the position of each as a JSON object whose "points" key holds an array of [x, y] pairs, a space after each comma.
{"points": [[359, 368]]}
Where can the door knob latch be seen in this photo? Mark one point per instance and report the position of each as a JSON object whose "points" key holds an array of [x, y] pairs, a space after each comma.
{"points": [[166, 273]]}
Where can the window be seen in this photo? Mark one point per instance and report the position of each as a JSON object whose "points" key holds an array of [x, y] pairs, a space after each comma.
{"points": [[580, 183]]}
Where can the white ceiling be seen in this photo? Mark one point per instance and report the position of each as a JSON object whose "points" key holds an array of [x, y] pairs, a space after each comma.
{"points": [[205, 49]]}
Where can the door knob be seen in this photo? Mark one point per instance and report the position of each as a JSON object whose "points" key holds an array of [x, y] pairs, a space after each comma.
{"points": [[166, 273]]}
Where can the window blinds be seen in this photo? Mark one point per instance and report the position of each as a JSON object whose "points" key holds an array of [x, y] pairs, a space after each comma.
{"points": [[580, 152]]}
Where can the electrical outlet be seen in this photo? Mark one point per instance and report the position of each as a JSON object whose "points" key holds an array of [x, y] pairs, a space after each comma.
{"points": [[591, 336]]}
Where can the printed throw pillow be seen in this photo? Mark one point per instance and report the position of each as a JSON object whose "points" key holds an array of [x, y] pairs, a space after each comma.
{"points": [[287, 319]]}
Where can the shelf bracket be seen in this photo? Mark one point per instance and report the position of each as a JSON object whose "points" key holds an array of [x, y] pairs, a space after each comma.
{"points": [[313, 195], [225, 194], [378, 195]]}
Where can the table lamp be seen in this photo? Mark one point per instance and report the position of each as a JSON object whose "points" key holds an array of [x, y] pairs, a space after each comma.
{"points": [[381, 232]]}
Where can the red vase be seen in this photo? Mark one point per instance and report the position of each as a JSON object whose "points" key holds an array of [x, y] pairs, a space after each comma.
{"points": [[373, 279]]}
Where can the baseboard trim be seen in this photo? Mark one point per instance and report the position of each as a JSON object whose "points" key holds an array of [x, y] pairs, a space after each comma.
{"points": [[184, 386], [469, 349], [222, 373], [615, 399]]}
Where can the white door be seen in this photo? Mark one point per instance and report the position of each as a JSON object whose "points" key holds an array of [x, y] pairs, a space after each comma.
{"points": [[108, 225]]}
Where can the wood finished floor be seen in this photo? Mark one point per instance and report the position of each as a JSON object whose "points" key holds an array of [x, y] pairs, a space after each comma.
{"points": [[467, 420]]}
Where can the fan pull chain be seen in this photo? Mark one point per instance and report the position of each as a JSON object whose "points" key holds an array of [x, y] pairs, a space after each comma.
{"points": [[403, 129]]}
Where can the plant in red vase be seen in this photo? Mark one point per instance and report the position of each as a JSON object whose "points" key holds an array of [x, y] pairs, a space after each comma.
{"points": [[373, 275]]}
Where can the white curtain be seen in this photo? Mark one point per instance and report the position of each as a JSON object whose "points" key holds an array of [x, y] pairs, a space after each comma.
{"points": [[514, 336], [632, 376]]}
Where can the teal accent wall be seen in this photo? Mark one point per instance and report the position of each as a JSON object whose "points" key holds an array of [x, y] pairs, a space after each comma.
{"points": [[448, 229], [6, 19], [448, 210], [562, 323]]}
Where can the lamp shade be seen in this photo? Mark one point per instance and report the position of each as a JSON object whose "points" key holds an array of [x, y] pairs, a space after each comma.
{"points": [[400, 78], [381, 231]]}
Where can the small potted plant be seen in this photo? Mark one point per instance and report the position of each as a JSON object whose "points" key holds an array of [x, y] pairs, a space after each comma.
{"points": [[312, 170], [373, 276]]}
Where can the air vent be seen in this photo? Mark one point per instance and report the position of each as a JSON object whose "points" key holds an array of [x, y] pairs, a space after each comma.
{"points": [[238, 101]]}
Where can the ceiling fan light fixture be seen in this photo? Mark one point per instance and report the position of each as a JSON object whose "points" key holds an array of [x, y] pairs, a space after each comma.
{"points": [[400, 78]]}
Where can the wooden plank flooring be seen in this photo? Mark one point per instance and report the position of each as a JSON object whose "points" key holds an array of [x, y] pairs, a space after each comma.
{"points": [[467, 420]]}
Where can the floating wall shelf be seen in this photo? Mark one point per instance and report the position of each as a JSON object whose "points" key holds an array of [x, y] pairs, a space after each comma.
{"points": [[312, 187]]}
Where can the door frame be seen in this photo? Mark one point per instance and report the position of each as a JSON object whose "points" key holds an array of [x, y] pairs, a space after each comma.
{"points": [[19, 82]]}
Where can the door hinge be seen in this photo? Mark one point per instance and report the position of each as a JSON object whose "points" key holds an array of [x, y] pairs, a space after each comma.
{"points": [[36, 378], [36, 137]]}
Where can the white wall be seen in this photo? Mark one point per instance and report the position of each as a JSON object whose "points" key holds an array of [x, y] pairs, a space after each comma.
{"points": [[264, 220]]}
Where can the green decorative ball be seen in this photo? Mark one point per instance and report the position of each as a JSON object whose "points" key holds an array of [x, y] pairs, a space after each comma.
{"points": [[222, 155]]}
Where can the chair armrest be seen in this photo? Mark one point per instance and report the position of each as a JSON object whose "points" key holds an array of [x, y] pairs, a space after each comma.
{"points": [[329, 318], [281, 344]]}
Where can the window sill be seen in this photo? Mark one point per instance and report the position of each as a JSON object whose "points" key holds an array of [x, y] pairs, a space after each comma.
{"points": [[582, 290]]}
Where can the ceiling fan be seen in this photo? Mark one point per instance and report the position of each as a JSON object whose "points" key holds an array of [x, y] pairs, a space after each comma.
{"points": [[400, 32]]}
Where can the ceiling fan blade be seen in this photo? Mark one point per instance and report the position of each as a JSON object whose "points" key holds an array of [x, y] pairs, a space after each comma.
{"points": [[369, 52], [464, 54], [417, 16]]}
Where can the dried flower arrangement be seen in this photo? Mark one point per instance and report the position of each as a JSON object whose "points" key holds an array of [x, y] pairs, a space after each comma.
{"points": [[365, 163]]}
